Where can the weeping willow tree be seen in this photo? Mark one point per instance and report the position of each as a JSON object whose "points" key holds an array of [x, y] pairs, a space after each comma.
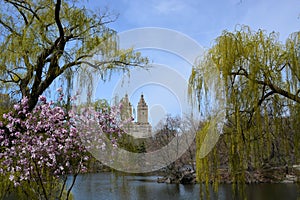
{"points": [[258, 88], [43, 40]]}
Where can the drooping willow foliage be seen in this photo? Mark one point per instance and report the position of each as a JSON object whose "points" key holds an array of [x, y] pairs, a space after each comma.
{"points": [[41, 41], [259, 90]]}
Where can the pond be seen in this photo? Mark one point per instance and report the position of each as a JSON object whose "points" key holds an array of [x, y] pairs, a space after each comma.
{"points": [[100, 186]]}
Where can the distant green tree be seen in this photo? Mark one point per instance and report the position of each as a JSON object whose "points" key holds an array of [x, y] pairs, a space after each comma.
{"points": [[142, 148], [261, 93], [43, 40], [101, 105]]}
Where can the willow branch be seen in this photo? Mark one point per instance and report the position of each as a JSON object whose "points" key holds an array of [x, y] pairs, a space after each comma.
{"points": [[274, 88], [57, 19], [265, 97], [22, 14], [9, 28], [19, 4], [6, 81]]}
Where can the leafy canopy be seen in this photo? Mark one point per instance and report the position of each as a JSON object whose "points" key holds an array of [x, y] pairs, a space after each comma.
{"points": [[42, 40], [259, 87]]}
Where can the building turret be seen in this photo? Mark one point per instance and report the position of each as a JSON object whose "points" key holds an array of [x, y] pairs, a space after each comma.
{"points": [[142, 111], [126, 111], [141, 128]]}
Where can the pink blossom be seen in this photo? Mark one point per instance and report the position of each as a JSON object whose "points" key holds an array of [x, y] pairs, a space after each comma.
{"points": [[43, 99], [11, 177], [50, 139], [59, 90], [16, 107]]}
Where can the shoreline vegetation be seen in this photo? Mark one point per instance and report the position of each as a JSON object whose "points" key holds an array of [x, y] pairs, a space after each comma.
{"points": [[283, 174]]}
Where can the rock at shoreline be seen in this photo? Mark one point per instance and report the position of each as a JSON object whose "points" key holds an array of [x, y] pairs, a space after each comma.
{"points": [[290, 179], [187, 177]]}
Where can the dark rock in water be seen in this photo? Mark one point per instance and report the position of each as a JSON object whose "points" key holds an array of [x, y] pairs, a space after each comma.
{"points": [[167, 179], [188, 178], [161, 180]]}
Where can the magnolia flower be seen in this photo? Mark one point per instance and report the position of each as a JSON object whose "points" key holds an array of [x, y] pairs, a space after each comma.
{"points": [[49, 139], [59, 90]]}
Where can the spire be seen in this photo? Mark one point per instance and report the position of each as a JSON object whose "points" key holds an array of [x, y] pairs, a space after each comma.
{"points": [[142, 111], [126, 111], [142, 102]]}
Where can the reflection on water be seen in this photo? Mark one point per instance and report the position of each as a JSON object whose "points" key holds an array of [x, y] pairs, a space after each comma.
{"points": [[110, 186]]}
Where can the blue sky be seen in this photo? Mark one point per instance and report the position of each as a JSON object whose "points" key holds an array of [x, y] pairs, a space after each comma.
{"points": [[201, 21], [204, 20]]}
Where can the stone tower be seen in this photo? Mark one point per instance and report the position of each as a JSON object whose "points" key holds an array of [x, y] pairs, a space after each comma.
{"points": [[142, 110], [141, 128], [126, 111]]}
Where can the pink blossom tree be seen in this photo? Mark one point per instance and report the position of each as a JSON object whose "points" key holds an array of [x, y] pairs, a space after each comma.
{"points": [[40, 148]]}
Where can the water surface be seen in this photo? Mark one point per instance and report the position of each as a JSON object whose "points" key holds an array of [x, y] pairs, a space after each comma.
{"points": [[108, 186]]}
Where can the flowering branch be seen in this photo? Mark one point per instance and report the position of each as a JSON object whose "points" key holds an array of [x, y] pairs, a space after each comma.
{"points": [[50, 140]]}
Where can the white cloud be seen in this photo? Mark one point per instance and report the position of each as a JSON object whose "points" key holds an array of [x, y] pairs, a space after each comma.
{"points": [[167, 7]]}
